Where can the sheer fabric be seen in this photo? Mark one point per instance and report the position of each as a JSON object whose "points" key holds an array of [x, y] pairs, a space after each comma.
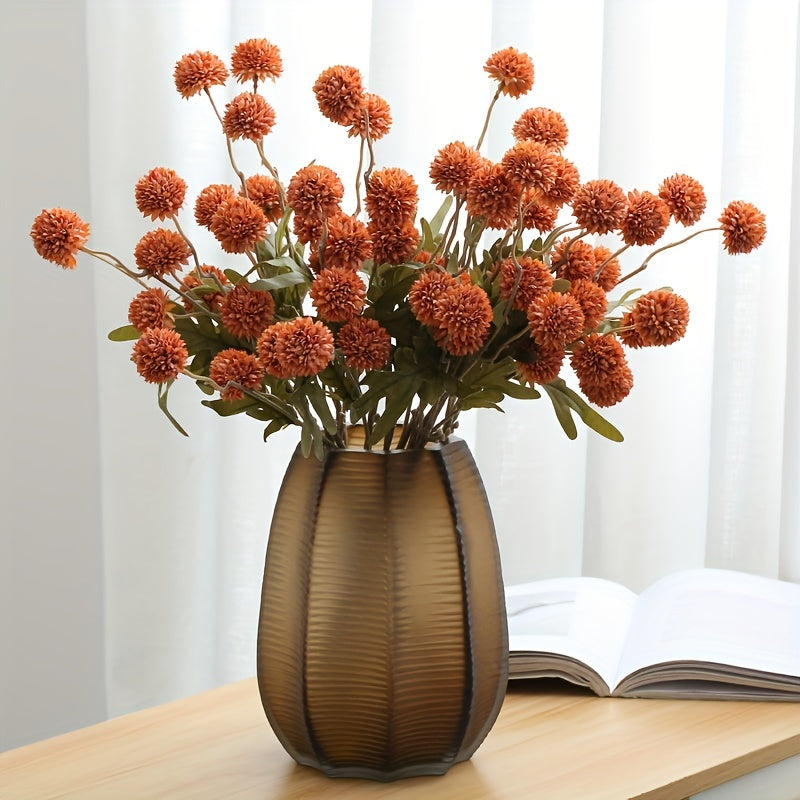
{"points": [[709, 470]]}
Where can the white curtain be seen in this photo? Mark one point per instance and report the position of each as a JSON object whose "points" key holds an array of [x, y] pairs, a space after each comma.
{"points": [[132, 557]]}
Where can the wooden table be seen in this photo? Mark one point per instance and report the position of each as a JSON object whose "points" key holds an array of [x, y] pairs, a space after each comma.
{"points": [[551, 742]]}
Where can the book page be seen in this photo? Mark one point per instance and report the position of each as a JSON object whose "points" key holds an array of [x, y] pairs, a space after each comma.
{"points": [[585, 619], [716, 616]]}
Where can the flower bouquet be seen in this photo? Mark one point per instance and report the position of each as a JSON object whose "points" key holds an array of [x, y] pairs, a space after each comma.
{"points": [[332, 317]]}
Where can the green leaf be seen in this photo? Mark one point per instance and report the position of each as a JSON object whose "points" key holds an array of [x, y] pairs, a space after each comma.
{"points": [[591, 418], [163, 391], [561, 285], [438, 217], [233, 276], [518, 391], [306, 439], [127, 333], [562, 411], [428, 240], [396, 405], [282, 281], [274, 426], [319, 403], [227, 408]]}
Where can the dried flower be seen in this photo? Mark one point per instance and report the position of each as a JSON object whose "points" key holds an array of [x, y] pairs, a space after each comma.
{"points": [[209, 200], [573, 260], [210, 280], [530, 164], [263, 191], [235, 366], [608, 268], [555, 319], [338, 294], [462, 316], [426, 290], [453, 167], [538, 364], [58, 234], [391, 197], [256, 59], [602, 370], [248, 116], [659, 318], [160, 355], [490, 194], [684, 197], [197, 71], [315, 192], [394, 244], [599, 206], [246, 312], [365, 344], [340, 94], [743, 227], [149, 310], [512, 70], [296, 348], [542, 125], [592, 300], [535, 280], [161, 252], [646, 219], [347, 243], [377, 111], [160, 193], [238, 224]]}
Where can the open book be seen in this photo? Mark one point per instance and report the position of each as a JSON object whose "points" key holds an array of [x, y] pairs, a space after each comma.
{"points": [[704, 633]]}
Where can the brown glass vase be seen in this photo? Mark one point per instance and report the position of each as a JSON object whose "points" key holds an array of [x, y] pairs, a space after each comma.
{"points": [[382, 640]]}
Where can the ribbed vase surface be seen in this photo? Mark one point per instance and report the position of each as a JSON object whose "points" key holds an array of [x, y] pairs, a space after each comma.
{"points": [[382, 641]]}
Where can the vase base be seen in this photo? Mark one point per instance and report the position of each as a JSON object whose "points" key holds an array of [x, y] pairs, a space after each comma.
{"points": [[384, 776]]}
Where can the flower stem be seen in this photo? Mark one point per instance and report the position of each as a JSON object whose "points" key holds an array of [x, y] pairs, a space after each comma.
{"points": [[488, 117]]}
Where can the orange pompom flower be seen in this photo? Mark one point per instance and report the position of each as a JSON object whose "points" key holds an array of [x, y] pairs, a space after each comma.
{"points": [[743, 227], [602, 370], [426, 290], [197, 71], [347, 243], [542, 125], [340, 94], [659, 318], [599, 206], [391, 197], [365, 344], [645, 220], [160, 193], [246, 312], [538, 364], [462, 317], [684, 197], [536, 214], [210, 280], [209, 200], [263, 191], [248, 116], [299, 347], [161, 252], [592, 300], [573, 260], [453, 167], [375, 110], [490, 194], [58, 234], [555, 319], [238, 224], [235, 366], [338, 294], [160, 355], [149, 310], [608, 268], [256, 59], [535, 280], [315, 192], [530, 164], [512, 69], [394, 244]]}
